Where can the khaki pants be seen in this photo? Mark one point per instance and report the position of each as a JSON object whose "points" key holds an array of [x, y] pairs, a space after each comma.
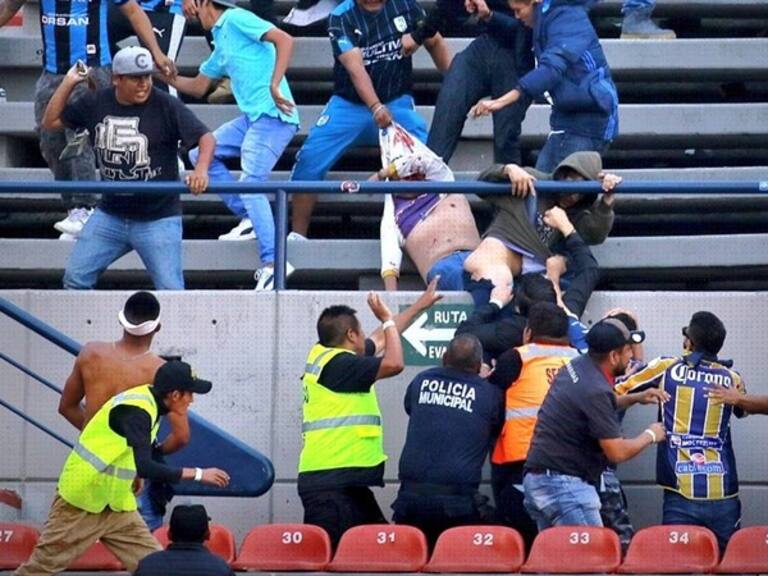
{"points": [[69, 531]]}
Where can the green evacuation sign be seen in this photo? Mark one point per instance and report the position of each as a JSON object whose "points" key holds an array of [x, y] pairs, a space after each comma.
{"points": [[425, 341]]}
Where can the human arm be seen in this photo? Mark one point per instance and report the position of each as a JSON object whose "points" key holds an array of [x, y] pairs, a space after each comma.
{"points": [[197, 86], [438, 51], [391, 245], [407, 316], [352, 60], [52, 117], [392, 361], [619, 450], [496, 334], [143, 28], [179, 435], [486, 107], [283, 43], [73, 394], [595, 224], [507, 370], [649, 396], [648, 377], [8, 9], [586, 274]]}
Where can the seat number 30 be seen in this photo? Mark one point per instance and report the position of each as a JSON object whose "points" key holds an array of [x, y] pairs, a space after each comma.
{"points": [[292, 537]]}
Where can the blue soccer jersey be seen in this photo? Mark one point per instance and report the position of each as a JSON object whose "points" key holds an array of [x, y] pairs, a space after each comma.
{"points": [[74, 30], [697, 458], [378, 36]]}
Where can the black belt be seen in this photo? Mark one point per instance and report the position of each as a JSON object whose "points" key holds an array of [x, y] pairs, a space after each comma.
{"points": [[550, 472], [429, 489]]}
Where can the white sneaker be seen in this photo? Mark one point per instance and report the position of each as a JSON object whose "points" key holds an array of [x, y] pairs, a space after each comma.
{"points": [[74, 222], [243, 231], [295, 236], [67, 237], [265, 276]]}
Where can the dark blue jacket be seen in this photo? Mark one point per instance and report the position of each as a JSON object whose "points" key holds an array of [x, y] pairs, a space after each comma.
{"points": [[182, 559], [573, 69]]}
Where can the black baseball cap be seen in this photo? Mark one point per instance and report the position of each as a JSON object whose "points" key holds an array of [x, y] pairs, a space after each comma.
{"points": [[189, 523], [177, 375], [610, 334]]}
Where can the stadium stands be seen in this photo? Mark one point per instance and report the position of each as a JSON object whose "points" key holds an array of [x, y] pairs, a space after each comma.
{"points": [[747, 552], [284, 547], [221, 541], [471, 549], [574, 550], [673, 549], [16, 544], [380, 548]]}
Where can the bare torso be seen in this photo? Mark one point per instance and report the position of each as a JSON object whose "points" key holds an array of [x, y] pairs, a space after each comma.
{"points": [[448, 228], [108, 369]]}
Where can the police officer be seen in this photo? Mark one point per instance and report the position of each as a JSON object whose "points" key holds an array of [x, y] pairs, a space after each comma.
{"points": [[526, 372], [95, 495], [454, 415]]}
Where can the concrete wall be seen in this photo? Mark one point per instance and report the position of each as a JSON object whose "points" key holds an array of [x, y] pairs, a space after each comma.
{"points": [[253, 346]]}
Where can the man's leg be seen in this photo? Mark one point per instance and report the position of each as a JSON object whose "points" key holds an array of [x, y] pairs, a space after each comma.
{"points": [[337, 128], [637, 23], [264, 143], [723, 517], [67, 533], [103, 240], [128, 537], [464, 84], [507, 483], [560, 145], [561, 500], [158, 244], [613, 508], [451, 272], [507, 121]]}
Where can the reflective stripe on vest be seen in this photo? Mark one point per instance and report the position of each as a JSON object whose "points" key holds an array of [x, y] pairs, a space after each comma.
{"points": [[340, 430], [101, 466], [540, 363]]}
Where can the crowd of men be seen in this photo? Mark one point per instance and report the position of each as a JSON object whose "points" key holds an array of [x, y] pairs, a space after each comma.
{"points": [[99, 110]]}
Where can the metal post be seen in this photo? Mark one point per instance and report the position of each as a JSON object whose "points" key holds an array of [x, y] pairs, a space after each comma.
{"points": [[281, 237]]}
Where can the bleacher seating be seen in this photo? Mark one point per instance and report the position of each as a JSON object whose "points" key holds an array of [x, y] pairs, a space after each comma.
{"points": [[747, 552], [574, 550], [469, 549], [221, 541], [96, 558], [380, 548], [672, 549], [284, 547], [16, 544]]}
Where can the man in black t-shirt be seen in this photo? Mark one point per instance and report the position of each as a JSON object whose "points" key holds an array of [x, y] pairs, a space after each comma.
{"points": [[578, 431], [135, 131], [343, 451], [454, 416]]}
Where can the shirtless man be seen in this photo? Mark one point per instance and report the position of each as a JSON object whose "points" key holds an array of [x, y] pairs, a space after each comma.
{"points": [[104, 369], [438, 231]]}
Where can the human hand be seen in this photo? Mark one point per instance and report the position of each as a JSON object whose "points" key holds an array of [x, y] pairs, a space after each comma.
{"points": [[522, 182], [382, 116], [654, 396], [197, 181], [487, 369], [215, 477], [165, 65], [78, 73], [658, 429], [189, 8], [410, 46], [430, 296], [482, 10], [137, 486], [609, 181], [469, 6], [484, 108], [556, 218], [283, 104], [378, 307], [619, 310], [722, 395]]}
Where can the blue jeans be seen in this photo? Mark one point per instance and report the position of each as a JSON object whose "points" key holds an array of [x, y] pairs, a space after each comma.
{"points": [[560, 500], [344, 124], [451, 271], [482, 68], [259, 146], [630, 5], [560, 145], [105, 238], [723, 517]]}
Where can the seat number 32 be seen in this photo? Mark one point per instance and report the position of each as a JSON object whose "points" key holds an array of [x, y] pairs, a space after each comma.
{"points": [[482, 539]]}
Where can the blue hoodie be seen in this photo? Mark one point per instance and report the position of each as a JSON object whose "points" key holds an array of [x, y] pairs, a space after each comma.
{"points": [[573, 69]]}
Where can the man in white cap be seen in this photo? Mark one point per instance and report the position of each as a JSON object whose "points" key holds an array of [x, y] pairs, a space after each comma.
{"points": [[104, 369], [135, 131]]}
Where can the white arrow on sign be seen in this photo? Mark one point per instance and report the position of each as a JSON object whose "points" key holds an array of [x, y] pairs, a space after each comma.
{"points": [[416, 335]]}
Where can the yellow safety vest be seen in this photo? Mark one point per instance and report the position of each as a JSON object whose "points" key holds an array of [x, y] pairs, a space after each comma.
{"points": [[100, 470], [541, 362], [339, 430]]}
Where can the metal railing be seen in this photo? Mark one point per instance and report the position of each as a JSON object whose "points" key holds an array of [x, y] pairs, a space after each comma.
{"points": [[282, 190]]}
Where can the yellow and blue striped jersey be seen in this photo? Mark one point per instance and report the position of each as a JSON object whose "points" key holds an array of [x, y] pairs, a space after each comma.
{"points": [[697, 459]]}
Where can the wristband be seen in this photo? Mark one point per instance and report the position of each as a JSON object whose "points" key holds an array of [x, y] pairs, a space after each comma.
{"points": [[390, 272], [652, 434], [388, 324], [377, 108], [498, 303], [198, 475]]}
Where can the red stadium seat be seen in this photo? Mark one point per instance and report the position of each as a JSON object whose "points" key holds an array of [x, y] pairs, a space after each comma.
{"points": [[281, 547], [16, 544], [747, 552], [672, 549], [380, 548], [96, 558], [478, 549], [221, 542], [574, 550]]}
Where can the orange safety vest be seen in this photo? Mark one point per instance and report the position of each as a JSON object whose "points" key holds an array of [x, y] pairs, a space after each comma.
{"points": [[541, 362]]}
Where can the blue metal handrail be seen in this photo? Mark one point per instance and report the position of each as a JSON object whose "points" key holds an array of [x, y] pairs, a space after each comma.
{"points": [[283, 189]]}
